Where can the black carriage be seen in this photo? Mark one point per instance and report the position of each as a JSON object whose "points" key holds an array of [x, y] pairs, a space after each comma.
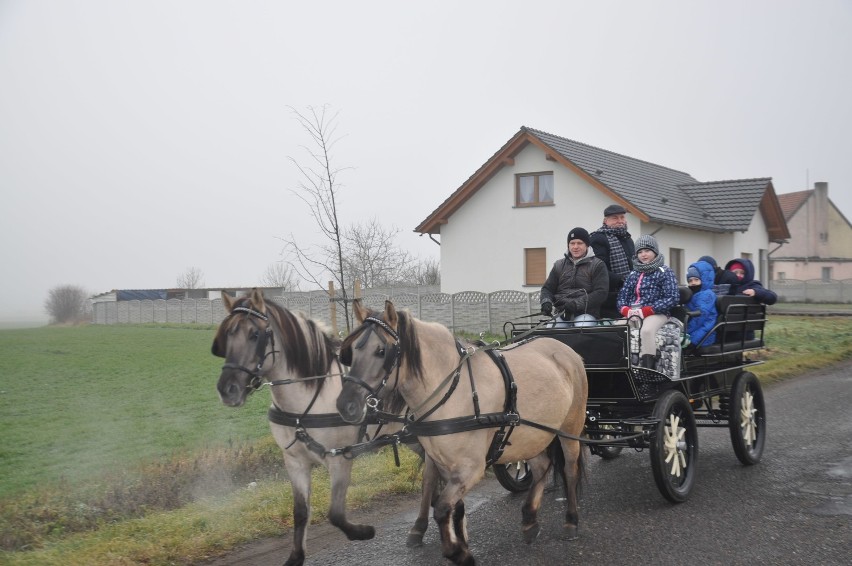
{"points": [[660, 409]]}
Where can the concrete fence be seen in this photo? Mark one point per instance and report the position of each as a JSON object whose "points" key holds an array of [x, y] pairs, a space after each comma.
{"points": [[813, 290], [470, 311]]}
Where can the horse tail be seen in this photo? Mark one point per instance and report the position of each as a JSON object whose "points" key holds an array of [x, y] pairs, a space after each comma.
{"points": [[557, 460]]}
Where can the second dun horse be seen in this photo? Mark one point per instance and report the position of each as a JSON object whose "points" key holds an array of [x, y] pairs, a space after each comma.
{"points": [[264, 342], [465, 406]]}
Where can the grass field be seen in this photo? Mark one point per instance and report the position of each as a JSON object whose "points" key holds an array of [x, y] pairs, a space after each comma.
{"points": [[114, 438]]}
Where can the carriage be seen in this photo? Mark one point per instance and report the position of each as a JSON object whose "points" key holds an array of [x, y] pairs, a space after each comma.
{"points": [[660, 409]]}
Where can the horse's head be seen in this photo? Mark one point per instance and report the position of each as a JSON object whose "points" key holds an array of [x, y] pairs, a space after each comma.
{"points": [[245, 339], [373, 353]]}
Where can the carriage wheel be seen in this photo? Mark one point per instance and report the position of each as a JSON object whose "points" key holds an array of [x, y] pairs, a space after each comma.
{"points": [[674, 448], [515, 476], [747, 418], [605, 452]]}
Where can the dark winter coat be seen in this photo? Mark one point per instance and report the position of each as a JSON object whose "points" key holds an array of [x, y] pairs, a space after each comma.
{"points": [[705, 302], [576, 287], [600, 245], [748, 281], [658, 290]]}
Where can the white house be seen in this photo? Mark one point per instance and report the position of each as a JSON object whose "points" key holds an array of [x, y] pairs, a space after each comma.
{"points": [[505, 226]]}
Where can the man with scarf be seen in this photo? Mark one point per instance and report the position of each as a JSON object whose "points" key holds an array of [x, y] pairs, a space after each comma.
{"points": [[613, 244]]}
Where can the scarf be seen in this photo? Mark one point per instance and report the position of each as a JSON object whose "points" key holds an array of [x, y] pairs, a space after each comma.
{"points": [[655, 263], [619, 263]]}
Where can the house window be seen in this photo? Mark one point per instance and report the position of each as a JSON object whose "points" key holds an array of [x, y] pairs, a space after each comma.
{"points": [[676, 263], [826, 274], [782, 276], [535, 266], [534, 189]]}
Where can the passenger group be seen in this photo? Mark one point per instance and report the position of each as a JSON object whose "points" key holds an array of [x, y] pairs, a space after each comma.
{"points": [[604, 275]]}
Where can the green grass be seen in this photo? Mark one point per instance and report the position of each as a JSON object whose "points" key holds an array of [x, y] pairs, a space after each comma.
{"points": [[80, 400], [116, 448]]}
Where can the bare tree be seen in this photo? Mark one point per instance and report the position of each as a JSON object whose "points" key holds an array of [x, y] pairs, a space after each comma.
{"points": [[426, 272], [192, 278], [67, 303], [319, 189], [279, 274], [371, 255]]}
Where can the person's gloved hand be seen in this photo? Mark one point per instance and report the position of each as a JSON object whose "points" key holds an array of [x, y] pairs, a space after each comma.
{"points": [[685, 341], [547, 308], [641, 312]]}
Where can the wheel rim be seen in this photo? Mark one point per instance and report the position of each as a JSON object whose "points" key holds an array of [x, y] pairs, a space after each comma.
{"points": [[675, 446], [748, 419]]}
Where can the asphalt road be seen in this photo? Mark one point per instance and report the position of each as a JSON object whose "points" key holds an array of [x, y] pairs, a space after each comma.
{"points": [[795, 507]]}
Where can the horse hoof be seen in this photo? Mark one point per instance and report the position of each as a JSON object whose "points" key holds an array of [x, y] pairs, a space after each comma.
{"points": [[361, 532], [414, 540], [570, 532], [295, 561], [531, 533]]}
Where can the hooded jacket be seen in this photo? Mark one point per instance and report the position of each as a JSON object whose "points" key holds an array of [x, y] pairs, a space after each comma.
{"points": [[704, 301], [748, 281], [577, 287]]}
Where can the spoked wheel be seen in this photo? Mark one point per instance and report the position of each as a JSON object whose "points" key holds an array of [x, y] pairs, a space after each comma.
{"points": [[515, 476], [747, 419], [674, 448], [605, 452]]}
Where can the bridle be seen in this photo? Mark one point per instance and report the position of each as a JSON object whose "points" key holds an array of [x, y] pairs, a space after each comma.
{"points": [[265, 336], [391, 360]]}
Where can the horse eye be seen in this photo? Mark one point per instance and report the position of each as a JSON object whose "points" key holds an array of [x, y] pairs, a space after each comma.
{"points": [[253, 335], [380, 351]]}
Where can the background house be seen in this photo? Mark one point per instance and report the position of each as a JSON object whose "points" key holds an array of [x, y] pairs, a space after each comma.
{"points": [[505, 226], [820, 244]]}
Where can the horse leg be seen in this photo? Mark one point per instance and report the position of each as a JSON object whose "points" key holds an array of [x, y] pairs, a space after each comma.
{"points": [[530, 528], [449, 515], [340, 471], [428, 496], [300, 481], [572, 474]]}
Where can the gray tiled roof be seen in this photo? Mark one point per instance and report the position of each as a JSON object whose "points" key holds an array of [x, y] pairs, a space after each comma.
{"points": [[667, 196]]}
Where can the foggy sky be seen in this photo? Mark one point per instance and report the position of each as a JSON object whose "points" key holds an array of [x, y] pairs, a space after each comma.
{"points": [[138, 139]]}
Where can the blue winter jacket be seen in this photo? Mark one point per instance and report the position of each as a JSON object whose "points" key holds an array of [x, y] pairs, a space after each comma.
{"points": [[705, 301], [658, 290]]}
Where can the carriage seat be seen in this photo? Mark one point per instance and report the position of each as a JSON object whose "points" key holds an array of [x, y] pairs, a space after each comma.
{"points": [[739, 325], [679, 312]]}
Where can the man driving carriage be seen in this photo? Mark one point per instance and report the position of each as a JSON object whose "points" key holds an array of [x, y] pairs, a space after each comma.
{"points": [[577, 284]]}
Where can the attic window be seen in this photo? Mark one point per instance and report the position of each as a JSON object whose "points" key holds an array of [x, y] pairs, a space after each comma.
{"points": [[534, 189]]}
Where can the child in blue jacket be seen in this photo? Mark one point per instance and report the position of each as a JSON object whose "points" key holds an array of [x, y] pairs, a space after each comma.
{"points": [[700, 277]]}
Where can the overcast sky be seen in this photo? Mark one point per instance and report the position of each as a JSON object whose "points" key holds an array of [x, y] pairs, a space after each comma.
{"points": [[141, 138]]}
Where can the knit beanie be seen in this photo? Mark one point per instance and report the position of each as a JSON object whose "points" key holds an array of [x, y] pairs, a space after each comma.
{"points": [[709, 260], [736, 265], [692, 272], [579, 234], [647, 242]]}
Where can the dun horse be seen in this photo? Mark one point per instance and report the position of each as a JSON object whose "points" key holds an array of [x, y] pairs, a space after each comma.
{"points": [[451, 393], [262, 341]]}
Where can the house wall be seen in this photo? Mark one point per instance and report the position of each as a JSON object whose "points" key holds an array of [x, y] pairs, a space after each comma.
{"points": [[482, 245]]}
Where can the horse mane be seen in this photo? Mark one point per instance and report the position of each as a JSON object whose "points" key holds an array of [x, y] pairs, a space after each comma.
{"points": [[307, 348]]}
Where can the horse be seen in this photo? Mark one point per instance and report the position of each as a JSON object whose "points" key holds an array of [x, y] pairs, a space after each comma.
{"points": [[443, 382], [264, 342]]}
